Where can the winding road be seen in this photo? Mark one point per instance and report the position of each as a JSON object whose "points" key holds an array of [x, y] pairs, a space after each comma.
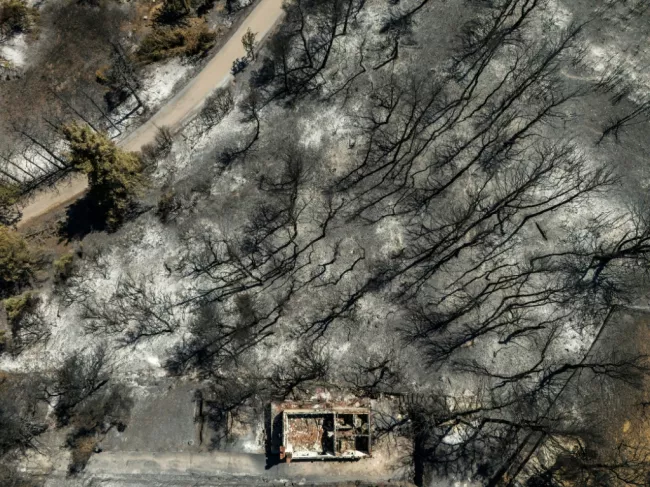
{"points": [[175, 112]]}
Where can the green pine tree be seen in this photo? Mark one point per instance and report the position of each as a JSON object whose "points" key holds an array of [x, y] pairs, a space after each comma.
{"points": [[115, 176]]}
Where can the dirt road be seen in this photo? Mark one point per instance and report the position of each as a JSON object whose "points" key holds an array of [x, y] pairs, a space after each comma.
{"points": [[178, 110], [218, 468]]}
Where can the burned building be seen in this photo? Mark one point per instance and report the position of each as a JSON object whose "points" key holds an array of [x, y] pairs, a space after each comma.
{"points": [[323, 431]]}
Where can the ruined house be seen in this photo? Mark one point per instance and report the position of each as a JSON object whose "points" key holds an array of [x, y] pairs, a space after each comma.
{"points": [[323, 432]]}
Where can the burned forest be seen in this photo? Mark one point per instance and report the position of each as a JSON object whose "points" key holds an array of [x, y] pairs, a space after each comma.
{"points": [[402, 242]]}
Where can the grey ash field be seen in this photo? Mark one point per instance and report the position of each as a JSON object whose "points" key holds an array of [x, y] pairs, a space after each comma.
{"points": [[435, 210]]}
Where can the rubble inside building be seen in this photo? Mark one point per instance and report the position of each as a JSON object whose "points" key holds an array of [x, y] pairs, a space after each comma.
{"points": [[322, 431]]}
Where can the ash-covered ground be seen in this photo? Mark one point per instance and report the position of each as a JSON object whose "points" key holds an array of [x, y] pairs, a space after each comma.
{"points": [[436, 205]]}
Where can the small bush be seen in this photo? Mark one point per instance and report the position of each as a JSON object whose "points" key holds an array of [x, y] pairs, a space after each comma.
{"points": [[249, 43], [63, 267], [17, 263], [191, 40], [28, 326], [18, 306], [9, 194]]}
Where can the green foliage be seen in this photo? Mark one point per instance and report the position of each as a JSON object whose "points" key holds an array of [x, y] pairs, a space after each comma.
{"points": [[27, 326], [8, 194], [115, 176], [17, 263], [8, 197], [17, 306], [16, 17], [63, 267], [248, 41], [193, 39]]}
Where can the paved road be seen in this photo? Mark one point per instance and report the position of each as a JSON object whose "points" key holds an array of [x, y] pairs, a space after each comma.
{"points": [[178, 110]]}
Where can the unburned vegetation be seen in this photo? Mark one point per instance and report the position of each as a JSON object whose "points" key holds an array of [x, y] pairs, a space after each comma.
{"points": [[189, 40]]}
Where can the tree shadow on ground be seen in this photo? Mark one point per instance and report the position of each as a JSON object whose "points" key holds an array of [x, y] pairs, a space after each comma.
{"points": [[83, 216], [86, 216], [273, 427]]}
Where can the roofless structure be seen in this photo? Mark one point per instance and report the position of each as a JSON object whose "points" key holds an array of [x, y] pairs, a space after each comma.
{"points": [[320, 431]]}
